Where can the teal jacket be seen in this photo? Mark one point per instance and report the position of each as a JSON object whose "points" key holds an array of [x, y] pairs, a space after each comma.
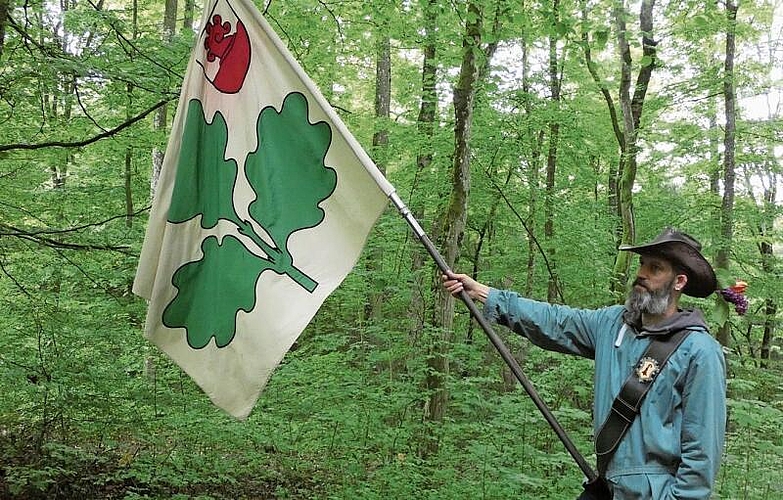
{"points": [[673, 448]]}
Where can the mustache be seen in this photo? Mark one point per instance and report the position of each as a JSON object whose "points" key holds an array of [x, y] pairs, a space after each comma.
{"points": [[640, 282]]}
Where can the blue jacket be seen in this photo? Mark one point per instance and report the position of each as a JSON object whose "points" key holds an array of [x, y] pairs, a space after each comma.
{"points": [[673, 448]]}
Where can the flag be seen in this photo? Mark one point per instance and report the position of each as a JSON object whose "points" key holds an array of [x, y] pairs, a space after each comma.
{"points": [[263, 206]]}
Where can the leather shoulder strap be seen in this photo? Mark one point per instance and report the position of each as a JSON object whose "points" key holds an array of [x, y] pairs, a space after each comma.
{"points": [[628, 402]]}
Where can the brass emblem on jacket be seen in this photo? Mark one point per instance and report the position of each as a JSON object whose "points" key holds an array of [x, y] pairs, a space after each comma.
{"points": [[647, 369]]}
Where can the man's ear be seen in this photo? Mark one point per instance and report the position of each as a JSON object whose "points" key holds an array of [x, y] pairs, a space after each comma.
{"points": [[680, 281]]}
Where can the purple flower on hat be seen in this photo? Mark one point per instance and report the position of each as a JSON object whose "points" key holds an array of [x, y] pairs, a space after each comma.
{"points": [[736, 295]]}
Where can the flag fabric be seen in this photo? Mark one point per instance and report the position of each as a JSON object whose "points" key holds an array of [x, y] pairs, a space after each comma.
{"points": [[263, 205]]}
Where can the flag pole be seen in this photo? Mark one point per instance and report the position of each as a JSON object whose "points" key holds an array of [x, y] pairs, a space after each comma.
{"points": [[497, 342]]}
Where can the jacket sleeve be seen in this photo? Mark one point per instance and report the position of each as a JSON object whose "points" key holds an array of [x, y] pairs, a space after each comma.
{"points": [[552, 327], [703, 424]]}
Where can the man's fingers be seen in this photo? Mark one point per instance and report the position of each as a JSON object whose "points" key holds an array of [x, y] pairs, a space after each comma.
{"points": [[454, 283]]}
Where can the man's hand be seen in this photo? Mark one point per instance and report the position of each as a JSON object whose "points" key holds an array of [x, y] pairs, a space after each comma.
{"points": [[456, 283]]}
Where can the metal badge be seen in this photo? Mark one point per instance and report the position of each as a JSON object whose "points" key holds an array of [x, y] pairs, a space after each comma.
{"points": [[647, 369]]}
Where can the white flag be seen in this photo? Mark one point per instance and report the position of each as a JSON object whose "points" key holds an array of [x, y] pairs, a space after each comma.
{"points": [[263, 206]]}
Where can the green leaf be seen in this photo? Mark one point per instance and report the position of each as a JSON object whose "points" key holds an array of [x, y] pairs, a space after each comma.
{"points": [[600, 37], [205, 180], [725, 277], [562, 29], [721, 313], [211, 292], [701, 21], [288, 175]]}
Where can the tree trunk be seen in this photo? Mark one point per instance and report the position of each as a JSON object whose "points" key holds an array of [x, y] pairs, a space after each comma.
{"points": [[128, 178], [768, 259], [613, 182], [425, 128], [727, 205], [770, 304], [532, 177], [551, 159], [161, 115], [159, 123], [631, 113], [380, 144], [453, 222], [187, 18], [169, 19], [4, 8], [380, 139]]}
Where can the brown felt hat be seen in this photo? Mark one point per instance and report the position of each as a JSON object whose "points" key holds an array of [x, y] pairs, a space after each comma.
{"points": [[683, 250]]}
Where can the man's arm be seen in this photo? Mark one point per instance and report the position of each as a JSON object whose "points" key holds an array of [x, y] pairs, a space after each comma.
{"points": [[552, 327]]}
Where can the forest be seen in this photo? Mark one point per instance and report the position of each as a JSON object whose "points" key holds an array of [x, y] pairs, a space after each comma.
{"points": [[529, 138]]}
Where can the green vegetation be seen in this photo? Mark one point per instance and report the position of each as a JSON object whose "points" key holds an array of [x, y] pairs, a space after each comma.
{"points": [[89, 409]]}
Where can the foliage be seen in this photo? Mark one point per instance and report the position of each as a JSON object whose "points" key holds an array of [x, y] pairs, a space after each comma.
{"points": [[90, 410]]}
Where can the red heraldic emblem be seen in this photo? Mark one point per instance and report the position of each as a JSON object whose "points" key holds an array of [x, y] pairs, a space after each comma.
{"points": [[227, 48]]}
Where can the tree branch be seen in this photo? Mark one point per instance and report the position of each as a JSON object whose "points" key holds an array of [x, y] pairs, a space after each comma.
{"points": [[85, 142], [649, 52], [593, 70], [50, 243], [549, 268], [38, 237], [84, 226]]}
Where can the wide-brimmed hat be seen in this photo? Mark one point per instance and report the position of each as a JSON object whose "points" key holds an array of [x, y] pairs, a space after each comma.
{"points": [[683, 250]]}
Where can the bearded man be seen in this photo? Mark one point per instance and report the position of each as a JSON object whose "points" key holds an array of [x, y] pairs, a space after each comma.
{"points": [[671, 445]]}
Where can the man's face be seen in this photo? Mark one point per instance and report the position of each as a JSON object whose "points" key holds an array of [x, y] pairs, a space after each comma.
{"points": [[651, 292]]}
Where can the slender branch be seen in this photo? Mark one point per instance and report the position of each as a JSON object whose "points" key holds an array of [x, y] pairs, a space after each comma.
{"points": [[48, 242], [85, 142], [75, 228], [164, 68], [15, 281], [81, 106], [593, 70], [649, 51], [38, 238], [14, 363], [22, 32], [549, 269], [87, 275], [328, 9]]}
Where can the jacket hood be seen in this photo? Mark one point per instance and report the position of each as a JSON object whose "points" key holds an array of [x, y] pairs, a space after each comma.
{"points": [[684, 318]]}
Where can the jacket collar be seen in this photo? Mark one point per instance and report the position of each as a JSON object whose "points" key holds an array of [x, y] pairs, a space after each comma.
{"points": [[683, 318]]}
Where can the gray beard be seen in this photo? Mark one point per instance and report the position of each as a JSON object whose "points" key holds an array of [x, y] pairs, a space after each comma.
{"points": [[647, 302]]}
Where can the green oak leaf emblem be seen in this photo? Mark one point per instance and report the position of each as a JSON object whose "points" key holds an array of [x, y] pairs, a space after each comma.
{"points": [[205, 181], [289, 178], [229, 273]]}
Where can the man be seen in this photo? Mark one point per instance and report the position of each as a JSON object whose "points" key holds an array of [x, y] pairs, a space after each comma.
{"points": [[673, 447]]}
